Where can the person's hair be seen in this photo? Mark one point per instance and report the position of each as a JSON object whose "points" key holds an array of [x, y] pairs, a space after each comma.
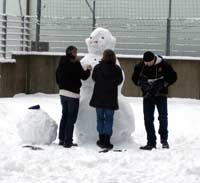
{"points": [[109, 56], [69, 50]]}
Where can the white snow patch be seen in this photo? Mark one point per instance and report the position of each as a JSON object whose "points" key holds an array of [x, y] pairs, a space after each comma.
{"points": [[37, 127], [180, 163]]}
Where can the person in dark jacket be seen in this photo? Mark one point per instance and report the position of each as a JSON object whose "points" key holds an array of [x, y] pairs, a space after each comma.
{"points": [[107, 76], [153, 75], [68, 77]]}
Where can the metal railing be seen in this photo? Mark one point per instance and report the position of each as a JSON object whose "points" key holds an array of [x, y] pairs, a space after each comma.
{"points": [[15, 34]]}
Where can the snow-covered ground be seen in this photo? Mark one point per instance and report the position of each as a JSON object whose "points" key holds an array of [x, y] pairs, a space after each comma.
{"points": [[83, 164]]}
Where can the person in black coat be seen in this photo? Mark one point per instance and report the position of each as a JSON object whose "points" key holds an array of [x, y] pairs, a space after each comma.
{"points": [[153, 75], [68, 77], [107, 76]]}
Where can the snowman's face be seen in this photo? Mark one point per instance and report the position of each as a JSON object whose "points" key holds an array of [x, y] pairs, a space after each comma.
{"points": [[99, 40]]}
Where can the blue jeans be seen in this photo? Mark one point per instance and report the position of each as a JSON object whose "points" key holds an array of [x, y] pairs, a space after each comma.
{"points": [[104, 120], [70, 108], [149, 104]]}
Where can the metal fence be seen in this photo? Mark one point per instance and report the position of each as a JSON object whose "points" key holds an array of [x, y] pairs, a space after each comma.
{"points": [[168, 27], [15, 34]]}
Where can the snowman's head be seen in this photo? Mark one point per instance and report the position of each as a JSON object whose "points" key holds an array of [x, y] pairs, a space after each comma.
{"points": [[99, 40]]}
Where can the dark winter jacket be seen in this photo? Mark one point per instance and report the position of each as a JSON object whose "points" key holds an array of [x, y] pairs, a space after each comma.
{"points": [[161, 70], [107, 77], [69, 74]]}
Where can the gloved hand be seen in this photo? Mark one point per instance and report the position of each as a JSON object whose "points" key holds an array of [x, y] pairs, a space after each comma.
{"points": [[145, 85], [156, 86]]}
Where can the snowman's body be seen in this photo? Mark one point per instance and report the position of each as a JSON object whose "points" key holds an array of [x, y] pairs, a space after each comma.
{"points": [[123, 126]]}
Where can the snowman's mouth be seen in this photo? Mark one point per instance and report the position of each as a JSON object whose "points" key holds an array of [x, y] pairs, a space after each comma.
{"points": [[94, 44]]}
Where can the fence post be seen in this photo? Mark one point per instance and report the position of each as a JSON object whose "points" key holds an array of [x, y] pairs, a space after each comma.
{"points": [[20, 7], [4, 35], [27, 26], [93, 11], [37, 37], [22, 33], [4, 6], [168, 35], [4, 30], [94, 15]]}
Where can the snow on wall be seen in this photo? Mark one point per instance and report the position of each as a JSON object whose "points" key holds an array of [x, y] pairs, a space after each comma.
{"points": [[118, 55]]}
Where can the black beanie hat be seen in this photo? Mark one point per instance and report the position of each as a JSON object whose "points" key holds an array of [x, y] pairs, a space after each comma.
{"points": [[69, 49], [148, 56]]}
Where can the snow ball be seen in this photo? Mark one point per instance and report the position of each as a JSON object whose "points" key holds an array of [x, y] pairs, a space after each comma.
{"points": [[37, 127]]}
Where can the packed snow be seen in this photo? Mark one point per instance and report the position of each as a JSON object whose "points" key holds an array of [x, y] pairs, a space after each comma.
{"points": [[180, 163], [37, 127]]}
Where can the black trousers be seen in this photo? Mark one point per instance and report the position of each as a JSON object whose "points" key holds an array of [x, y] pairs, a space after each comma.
{"points": [[70, 108], [149, 104]]}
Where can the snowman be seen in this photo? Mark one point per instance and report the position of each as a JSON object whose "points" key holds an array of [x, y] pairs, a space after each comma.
{"points": [[123, 125]]}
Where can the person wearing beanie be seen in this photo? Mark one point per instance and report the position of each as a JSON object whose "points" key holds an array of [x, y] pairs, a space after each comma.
{"points": [[148, 56], [154, 75], [69, 74]]}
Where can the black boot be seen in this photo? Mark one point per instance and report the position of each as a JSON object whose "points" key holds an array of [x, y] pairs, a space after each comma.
{"points": [[101, 140], [107, 144], [61, 142], [69, 145], [148, 147], [165, 145]]}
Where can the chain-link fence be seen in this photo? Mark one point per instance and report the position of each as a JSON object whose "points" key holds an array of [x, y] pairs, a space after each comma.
{"points": [[168, 27]]}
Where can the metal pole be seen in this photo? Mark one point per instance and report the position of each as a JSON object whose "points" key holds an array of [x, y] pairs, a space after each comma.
{"points": [[28, 5], [94, 16], [28, 37], [37, 39], [20, 8], [93, 11], [168, 35], [89, 6], [4, 30], [22, 42], [4, 6], [27, 25]]}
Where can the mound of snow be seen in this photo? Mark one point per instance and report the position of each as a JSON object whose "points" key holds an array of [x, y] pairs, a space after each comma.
{"points": [[37, 127]]}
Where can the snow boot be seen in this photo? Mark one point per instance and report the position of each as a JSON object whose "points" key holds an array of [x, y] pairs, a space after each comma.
{"points": [[68, 145], [148, 147], [165, 145], [61, 142], [107, 144], [101, 140]]}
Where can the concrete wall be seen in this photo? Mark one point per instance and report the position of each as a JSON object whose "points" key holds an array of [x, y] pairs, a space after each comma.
{"points": [[30, 74], [36, 73]]}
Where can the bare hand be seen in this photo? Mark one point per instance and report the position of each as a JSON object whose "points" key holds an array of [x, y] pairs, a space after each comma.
{"points": [[89, 67]]}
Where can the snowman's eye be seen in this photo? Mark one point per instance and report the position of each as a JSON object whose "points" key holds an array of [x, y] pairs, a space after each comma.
{"points": [[102, 37], [90, 37]]}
